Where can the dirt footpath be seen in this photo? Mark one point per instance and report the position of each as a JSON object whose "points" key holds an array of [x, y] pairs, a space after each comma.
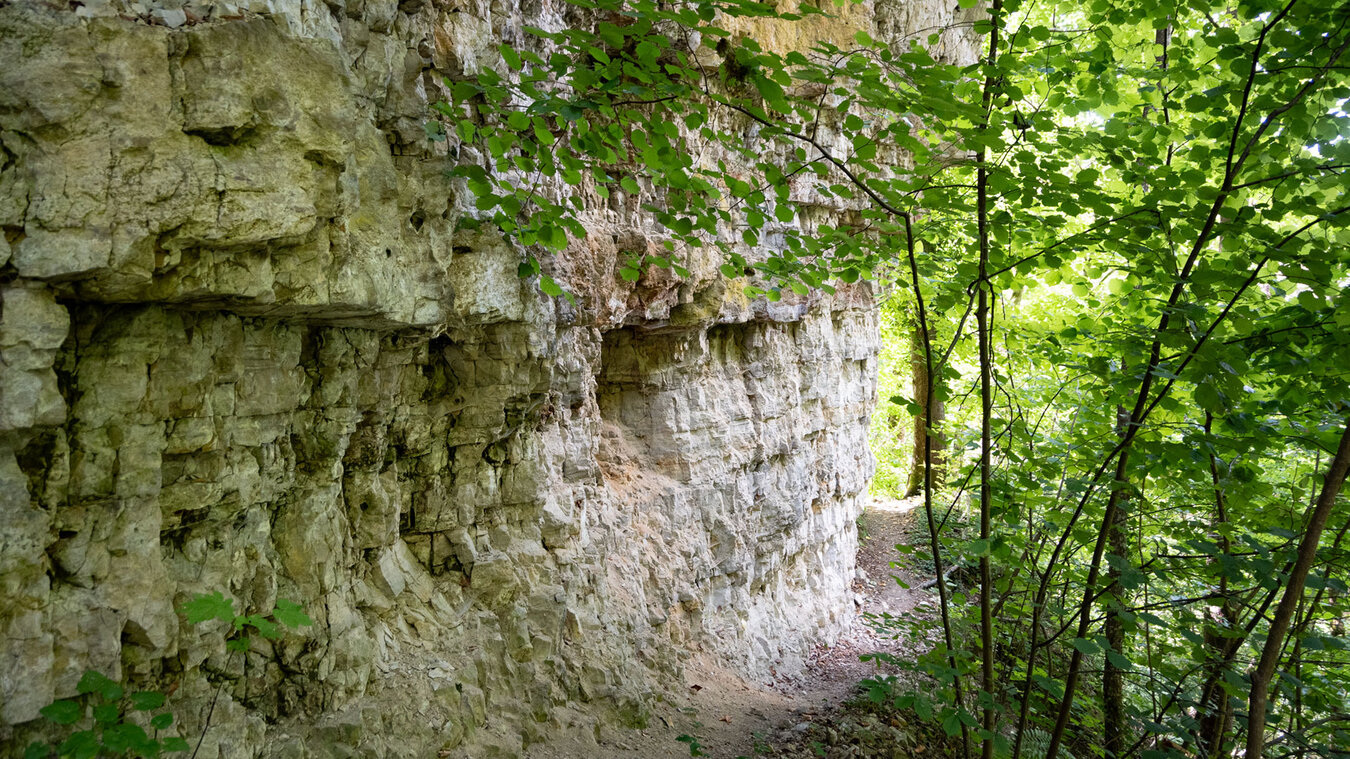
{"points": [[798, 715]]}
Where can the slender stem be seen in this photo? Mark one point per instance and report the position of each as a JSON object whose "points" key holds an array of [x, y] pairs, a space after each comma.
{"points": [[1264, 670], [935, 545], [983, 326]]}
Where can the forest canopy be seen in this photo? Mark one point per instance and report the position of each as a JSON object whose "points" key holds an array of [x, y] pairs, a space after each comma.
{"points": [[1118, 241]]}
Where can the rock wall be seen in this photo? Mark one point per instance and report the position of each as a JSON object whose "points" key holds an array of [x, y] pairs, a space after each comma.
{"points": [[244, 348]]}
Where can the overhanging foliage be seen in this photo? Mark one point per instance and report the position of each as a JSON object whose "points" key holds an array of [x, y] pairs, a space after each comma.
{"points": [[1143, 206]]}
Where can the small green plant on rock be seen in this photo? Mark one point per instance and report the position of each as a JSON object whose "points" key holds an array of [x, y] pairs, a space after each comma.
{"points": [[695, 747], [204, 607], [111, 734]]}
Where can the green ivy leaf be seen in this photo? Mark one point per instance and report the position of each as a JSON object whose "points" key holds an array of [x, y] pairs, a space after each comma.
{"points": [[161, 721]]}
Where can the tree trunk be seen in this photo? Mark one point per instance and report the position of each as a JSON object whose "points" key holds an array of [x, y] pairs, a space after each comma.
{"points": [[984, 321], [923, 387], [1113, 677], [1216, 710], [1264, 671]]}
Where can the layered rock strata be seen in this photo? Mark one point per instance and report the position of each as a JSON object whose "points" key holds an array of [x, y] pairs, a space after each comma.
{"points": [[244, 348]]}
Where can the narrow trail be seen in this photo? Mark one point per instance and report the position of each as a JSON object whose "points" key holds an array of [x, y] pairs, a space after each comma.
{"points": [[731, 718]]}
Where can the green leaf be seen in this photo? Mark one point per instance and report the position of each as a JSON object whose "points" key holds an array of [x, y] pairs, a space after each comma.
{"points": [[1088, 647], [265, 627], [549, 287], [1119, 661], [541, 132], [63, 712], [107, 714], [97, 682], [951, 724], [1207, 398], [772, 92], [145, 701], [126, 737], [37, 750], [291, 614], [175, 744], [203, 607], [1054, 687], [910, 406], [161, 721], [81, 745], [557, 238]]}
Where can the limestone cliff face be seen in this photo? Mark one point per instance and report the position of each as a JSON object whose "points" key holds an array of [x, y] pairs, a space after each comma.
{"points": [[244, 348]]}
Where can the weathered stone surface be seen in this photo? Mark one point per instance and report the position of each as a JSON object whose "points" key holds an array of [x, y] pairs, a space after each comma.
{"points": [[244, 348]]}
